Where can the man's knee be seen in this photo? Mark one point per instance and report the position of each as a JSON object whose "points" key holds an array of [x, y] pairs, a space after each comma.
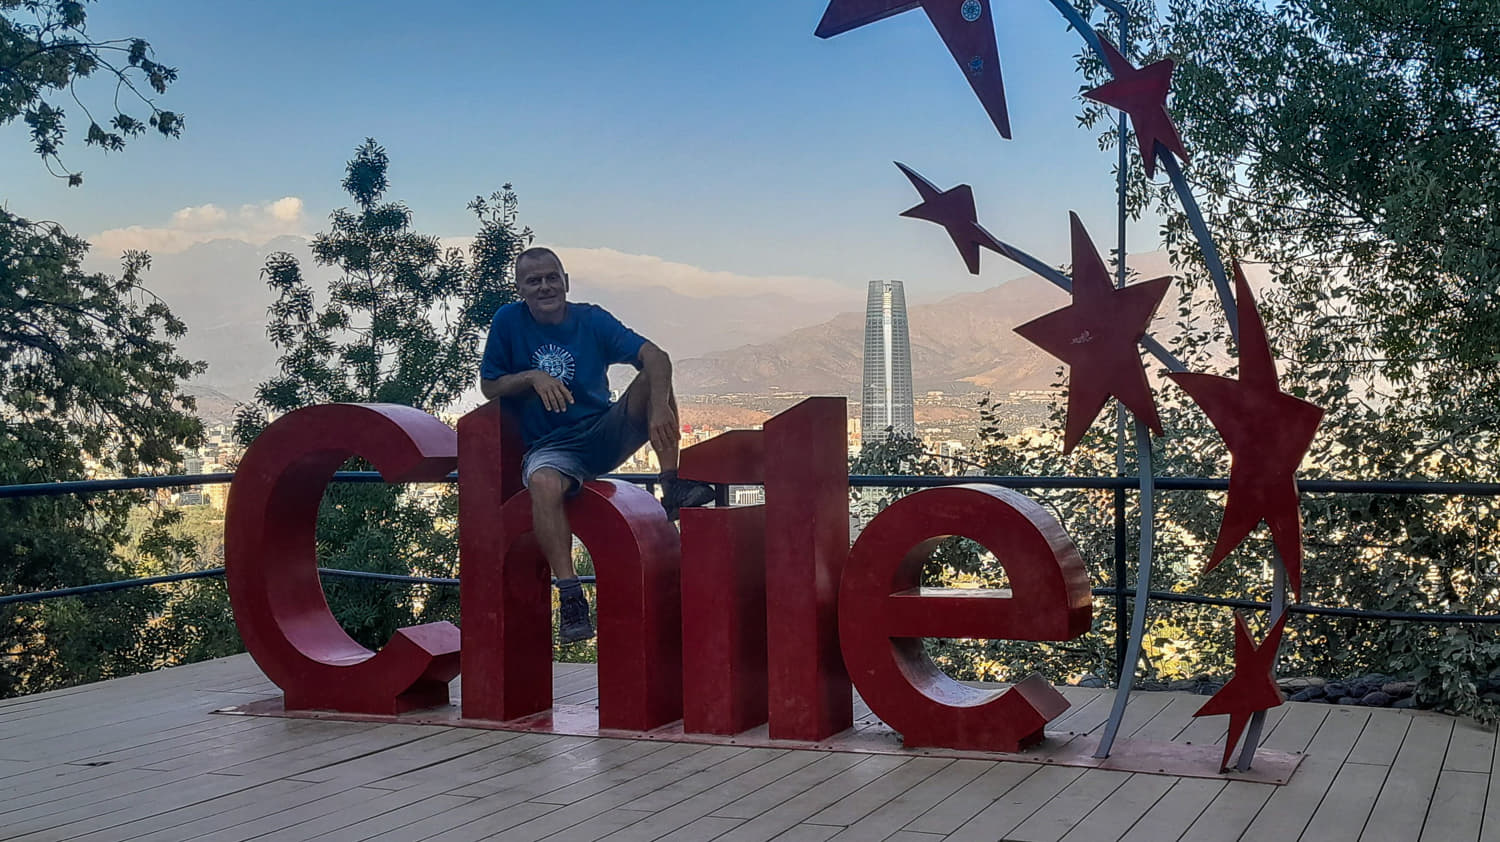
{"points": [[548, 487]]}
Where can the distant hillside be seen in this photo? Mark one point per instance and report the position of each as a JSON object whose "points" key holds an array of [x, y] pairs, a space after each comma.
{"points": [[962, 343]]}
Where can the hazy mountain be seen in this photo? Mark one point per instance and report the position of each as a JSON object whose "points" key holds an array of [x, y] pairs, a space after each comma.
{"points": [[961, 343]]}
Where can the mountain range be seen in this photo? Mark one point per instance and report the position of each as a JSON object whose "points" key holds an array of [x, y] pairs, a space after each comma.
{"points": [[739, 342]]}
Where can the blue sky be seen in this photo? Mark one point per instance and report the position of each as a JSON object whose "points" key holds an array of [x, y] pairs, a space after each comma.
{"points": [[721, 135]]}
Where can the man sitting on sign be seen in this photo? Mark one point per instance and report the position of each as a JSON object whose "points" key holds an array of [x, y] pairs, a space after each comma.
{"points": [[548, 359]]}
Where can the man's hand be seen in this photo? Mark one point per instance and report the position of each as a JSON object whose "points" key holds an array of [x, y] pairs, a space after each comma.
{"points": [[555, 396], [661, 423]]}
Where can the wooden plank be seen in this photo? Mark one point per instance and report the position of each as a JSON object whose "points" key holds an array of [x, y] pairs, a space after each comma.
{"points": [[1381, 739], [787, 812], [1175, 812], [1457, 808], [905, 806], [690, 811], [952, 812], [340, 803], [881, 791], [1166, 725], [1237, 805], [326, 824], [396, 819], [475, 820], [615, 797], [1402, 804], [1290, 808], [753, 803], [707, 827], [1066, 809], [1113, 817], [1471, 748], [600, 826], [808, 833], [1346, 805], [1016, 805]]}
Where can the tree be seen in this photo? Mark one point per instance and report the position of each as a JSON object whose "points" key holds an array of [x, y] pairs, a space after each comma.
{"points": [[1354, 146], [89, 374], [401, 324], [46, 50], [88, 387]]}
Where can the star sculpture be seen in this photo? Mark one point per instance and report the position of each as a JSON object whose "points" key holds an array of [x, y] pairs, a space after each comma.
{"points": [[1267, 432], [1252, 688], [1141, 93], [954, 210], [1097, 337], [964, 25]]}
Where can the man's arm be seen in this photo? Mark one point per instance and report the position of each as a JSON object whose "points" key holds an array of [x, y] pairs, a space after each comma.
{"points": [[661, 417], [555, 396]]}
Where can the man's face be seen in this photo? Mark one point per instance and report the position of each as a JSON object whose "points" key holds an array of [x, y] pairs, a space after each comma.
{"points": [[543, 285]]}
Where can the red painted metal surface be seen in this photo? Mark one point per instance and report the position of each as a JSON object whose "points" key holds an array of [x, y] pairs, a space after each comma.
{"points": [[1097, 337], [1253, 686], [271, 561], [723, 619], [636, 560], [737, 456], [884, 614], [1267, 432], [1141, 93], [954, 210], [507, 607], [966, 26], [807, 540]]}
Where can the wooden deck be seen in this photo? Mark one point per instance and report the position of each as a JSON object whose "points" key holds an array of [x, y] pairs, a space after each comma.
{"points": [[145, 758]]}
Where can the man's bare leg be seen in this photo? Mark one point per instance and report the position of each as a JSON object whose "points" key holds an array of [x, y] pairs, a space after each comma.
{"points": [[638, 406], [549, 521], [675, 492]]}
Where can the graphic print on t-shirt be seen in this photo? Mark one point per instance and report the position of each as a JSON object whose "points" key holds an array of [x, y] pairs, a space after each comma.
{"points": [[555, 360]]}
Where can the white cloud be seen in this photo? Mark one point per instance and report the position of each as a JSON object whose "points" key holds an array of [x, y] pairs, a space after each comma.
{"points": [[253, 223], [605, 268]]}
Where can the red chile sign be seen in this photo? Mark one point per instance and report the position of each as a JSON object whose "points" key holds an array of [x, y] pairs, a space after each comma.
{"points": [[752, 615]]}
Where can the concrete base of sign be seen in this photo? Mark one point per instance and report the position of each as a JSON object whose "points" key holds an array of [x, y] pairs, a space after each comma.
{"points": [[868, 736]]}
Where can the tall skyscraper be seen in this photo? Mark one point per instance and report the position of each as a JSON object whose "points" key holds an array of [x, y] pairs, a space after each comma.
{"points": [[887, 394]]}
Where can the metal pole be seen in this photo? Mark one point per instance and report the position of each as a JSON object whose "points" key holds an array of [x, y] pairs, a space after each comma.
{"points": [[1122, 183], [1142, 592]]}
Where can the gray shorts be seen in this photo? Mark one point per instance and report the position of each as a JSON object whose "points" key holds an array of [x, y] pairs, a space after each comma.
{"points": [[589, 449]]}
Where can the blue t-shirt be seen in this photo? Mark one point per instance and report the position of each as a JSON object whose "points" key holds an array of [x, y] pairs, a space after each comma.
{"points": [[579, 352]]}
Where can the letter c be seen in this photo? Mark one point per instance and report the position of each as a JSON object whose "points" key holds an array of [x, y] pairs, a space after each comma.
{"points": [[271, 561]]}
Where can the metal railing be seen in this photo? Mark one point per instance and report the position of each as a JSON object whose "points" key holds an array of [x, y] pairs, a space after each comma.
{"points": [[1120, 484]]}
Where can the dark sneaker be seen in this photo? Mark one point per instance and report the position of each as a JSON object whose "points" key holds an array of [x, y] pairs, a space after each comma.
{"points": [[574, 624], [686, 492]]}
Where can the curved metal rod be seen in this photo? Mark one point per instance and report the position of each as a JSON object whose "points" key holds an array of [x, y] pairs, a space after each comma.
{"points": [[1205, 242], [1142, 592]]}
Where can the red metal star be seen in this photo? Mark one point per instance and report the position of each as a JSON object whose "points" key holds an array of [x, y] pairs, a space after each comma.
{"points": [[1097, 337], [1267, 432], [1141, 93], [1253, 688], [954, 210], [964, 25]]}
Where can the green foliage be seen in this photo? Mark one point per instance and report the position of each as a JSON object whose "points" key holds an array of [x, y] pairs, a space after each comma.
{"points": [[88, 387], [401, 324], [46, 51], [1354, 147]]}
